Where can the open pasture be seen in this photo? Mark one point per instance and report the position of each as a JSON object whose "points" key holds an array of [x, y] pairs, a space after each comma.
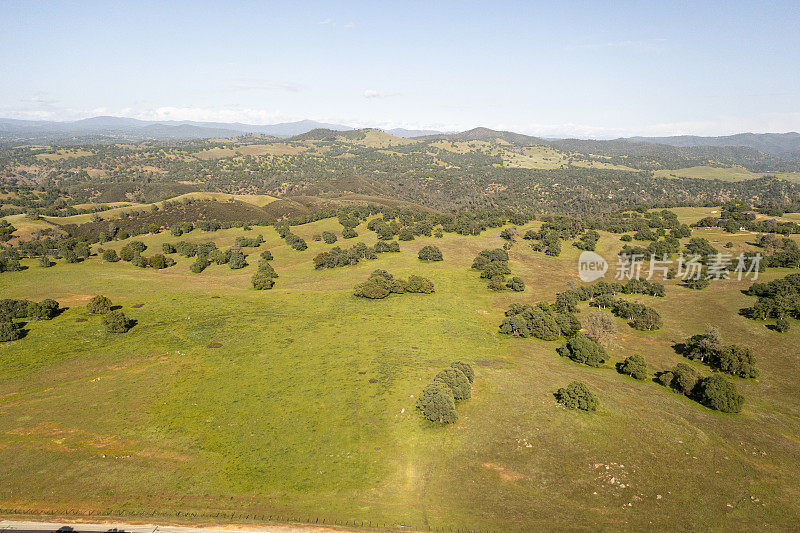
{"points": [[297, 403]]}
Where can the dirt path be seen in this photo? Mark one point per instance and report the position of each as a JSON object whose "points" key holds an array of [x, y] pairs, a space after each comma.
{"points": [[80, 527]]}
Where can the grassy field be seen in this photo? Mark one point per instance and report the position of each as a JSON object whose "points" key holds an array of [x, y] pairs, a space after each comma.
{"points": [[723, 173], [255, 199], [297, 404]]}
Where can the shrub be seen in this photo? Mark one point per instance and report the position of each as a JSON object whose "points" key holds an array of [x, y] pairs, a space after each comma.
{"points": [[47, 309], [719, 393], [437, 403], [45, 262], [634, 366], [266, 255], [566, 302], [568, 323], [200, 264], [167, 248], [736, 360], [497, 283], [684, 378], [516, 284], [665, 378], [99, 305], [387, 246], [349, 233], [406, 234], [137, 246], [515, 325], [116, 322], [158, 261], [782, 325], [337, 257], [465, 368], [457, 381], [576, 395], [295, 242], [646, 320], [370, 289], [127, 253], [219, 257], [542, 324], [582, 349], [419, 284], [249, 242], [71, 257], [601, 326], [9, 331], [430, 253], [237, 261], [265, 268], [10, 308], [140, 261], [329, 237], [262, 281], [704, 346], [110, 255]]}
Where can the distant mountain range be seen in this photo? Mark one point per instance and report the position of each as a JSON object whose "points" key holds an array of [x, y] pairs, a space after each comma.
{"points": [[769, 143], [109, 129], [113, 128]]}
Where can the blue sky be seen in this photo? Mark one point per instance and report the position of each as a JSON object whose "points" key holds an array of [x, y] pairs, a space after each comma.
{"points": [[594, 69]]}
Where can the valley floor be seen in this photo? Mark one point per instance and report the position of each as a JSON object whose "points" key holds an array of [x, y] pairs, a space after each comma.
{"points": [[296, 405]]}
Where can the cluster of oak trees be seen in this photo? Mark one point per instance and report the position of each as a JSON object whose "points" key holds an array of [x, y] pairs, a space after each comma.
{"points": [[381, 284], [113, 319], [707, 347], [12, 310], [264, 278], [779, 299], [437, 402], [713, 391], [493, 265]]}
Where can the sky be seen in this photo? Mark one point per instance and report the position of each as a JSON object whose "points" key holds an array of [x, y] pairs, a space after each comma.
{"points": [[586, 69]]}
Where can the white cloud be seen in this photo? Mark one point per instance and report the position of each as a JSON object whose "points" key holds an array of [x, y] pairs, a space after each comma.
{"points": [[42, 101], [251, 84], [372, 93], [350, 25], [325, 22], [250, 116]]}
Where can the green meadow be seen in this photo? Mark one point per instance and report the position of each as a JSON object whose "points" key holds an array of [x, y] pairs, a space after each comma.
{"points": [[226, 404]]}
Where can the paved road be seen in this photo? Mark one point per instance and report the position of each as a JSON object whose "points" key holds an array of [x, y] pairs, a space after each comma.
{"points": [[8, 526]]}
